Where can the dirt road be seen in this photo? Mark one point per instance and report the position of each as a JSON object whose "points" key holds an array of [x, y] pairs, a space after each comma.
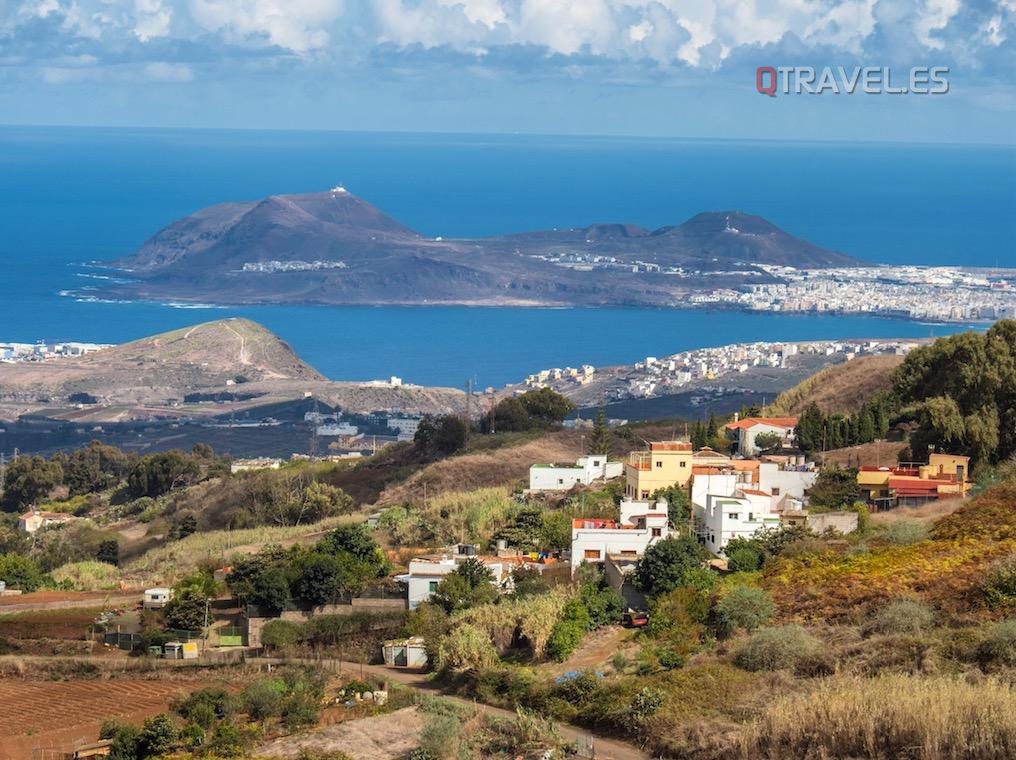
{"points": [[603, 748]]}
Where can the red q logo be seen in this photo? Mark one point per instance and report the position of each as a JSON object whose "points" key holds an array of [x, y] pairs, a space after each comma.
{"points": [[764, 87]]}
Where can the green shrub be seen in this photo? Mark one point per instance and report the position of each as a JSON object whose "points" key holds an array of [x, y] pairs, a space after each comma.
{"points": [[669, 658], [903, 616], [744, 560], [905, 532], [280, 634], [999, 644], [440, 737], [744, 607], [157, 736], [20, 572], [263, 699], [777, 648], [126, 739], [229, 740], [569, 631], [999, 585], [203, 707]]}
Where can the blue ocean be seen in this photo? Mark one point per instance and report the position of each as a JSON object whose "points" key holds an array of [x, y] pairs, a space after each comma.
{"points": [[70, 195]]}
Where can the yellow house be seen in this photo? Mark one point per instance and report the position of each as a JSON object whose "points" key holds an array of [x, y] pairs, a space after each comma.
{"points": [[910, 484], [946, 465], [666, 464]]}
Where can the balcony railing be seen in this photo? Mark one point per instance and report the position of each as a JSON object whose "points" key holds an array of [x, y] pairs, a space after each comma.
{"points": [[640, 460]]}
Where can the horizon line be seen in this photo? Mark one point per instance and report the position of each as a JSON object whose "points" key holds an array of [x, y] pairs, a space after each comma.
{"points": [[513, 134]]}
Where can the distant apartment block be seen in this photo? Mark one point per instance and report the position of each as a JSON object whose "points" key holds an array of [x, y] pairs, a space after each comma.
{"points": [[562, 477]]}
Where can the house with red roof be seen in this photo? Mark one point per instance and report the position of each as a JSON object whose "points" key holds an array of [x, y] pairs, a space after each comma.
{"points": [[746, 430]]}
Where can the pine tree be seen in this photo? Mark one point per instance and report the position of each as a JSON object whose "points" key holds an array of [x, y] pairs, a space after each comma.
{"points": [[698, 435], [599, 441]]}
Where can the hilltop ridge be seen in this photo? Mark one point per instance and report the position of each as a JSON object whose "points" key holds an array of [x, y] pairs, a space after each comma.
{"points": [[168, 365]]}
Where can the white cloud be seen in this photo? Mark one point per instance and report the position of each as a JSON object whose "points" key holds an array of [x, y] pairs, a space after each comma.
{"points": [[298, 25], [164, 71], [695, 33], [933, 18], [667, 31], [152, 19]]}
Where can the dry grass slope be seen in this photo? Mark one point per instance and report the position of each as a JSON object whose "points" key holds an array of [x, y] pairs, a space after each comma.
{"points": [[483, 469], [891, 716], [944, 571], [841, 388]]}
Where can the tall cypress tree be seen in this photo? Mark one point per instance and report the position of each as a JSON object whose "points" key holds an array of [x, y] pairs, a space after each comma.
{"points": [[599, 441]]}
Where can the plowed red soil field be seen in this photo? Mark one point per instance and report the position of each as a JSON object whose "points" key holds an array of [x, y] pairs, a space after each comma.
{"points": [[42, 719]]}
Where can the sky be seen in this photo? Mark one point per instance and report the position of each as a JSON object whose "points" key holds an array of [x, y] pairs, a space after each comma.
{"points": [[675, 68]]}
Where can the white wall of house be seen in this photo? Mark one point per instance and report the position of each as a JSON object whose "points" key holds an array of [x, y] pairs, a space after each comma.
{"points": [[785, 482], [723, 485], [746, 437], [641, 524], [544, 477], [425, 573], [720, 518]]}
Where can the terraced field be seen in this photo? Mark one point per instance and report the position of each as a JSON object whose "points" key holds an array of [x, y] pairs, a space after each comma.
{"points": [[45, 718]]}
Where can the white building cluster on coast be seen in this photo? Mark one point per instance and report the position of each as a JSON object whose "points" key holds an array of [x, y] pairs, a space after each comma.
{"points": [[947, 294], [671, 374], [37, 352]]}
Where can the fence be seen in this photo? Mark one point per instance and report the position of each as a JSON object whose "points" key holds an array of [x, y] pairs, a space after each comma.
{"points": [[125, 641], [230, 636]]}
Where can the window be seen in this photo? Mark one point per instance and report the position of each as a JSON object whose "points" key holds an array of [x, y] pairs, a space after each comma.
{"points": [[683, 463], [751, 517], [629, 553], [560, 481], [657, 532], [659, 463], [591, 554], [645, 494], [432, 586], [734, 515], [776, 492]]}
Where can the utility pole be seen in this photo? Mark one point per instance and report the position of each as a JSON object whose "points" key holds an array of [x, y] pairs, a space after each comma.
{"points": [[313, 432]]}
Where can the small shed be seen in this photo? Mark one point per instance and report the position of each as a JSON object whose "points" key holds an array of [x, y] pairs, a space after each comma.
{"points": [[101, 748], [405, 653], [180, 650], [157, 598]]}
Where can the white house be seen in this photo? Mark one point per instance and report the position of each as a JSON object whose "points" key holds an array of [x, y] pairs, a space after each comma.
{"points": [[749, 428], [34, 520], [717, 518], [640, 524], [427, 571], [562, 477], [794, 482]]}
